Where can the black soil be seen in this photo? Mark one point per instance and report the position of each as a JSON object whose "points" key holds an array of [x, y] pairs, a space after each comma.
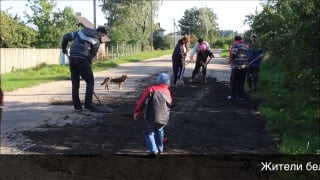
{"points": [[208, 137]]}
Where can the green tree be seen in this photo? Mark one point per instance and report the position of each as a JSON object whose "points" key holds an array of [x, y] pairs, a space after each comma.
{"points": [[49, 24], [13, 32], [201, 22], [162, 42], [130, 21], [290, 31]]}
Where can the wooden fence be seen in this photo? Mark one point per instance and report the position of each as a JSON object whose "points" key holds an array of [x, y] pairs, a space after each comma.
{"points": [[12, 59], [20, 58]]}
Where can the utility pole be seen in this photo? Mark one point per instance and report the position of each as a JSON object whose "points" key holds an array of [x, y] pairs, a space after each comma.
{"points": [[94, 14], [174, 33], [151, 15]]}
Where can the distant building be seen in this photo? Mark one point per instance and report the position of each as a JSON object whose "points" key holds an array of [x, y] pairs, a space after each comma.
{"points": [[160, 30]]}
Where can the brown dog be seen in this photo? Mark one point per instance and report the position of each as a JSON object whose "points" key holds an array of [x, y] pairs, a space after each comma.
{"points": [[120, 81]]}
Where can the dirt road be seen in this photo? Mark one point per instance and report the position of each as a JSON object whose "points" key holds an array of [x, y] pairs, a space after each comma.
{"points": [[40, 120]]}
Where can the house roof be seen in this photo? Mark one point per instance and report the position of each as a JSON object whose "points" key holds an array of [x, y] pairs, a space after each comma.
{"points": [[84, 22], [161, 29]]}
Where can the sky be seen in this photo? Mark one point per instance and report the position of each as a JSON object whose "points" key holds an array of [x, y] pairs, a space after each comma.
{"points": [[231, 13]]}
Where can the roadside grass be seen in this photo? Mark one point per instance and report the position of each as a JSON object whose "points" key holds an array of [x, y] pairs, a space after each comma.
{"points": [[47, 73], [293, 114], [225, 53]]}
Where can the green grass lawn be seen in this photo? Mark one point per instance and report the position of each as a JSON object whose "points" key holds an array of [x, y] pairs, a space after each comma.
{"points": [[46, 73]]}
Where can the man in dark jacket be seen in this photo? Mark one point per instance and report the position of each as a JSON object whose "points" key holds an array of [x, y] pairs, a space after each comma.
{"points": [[178, 59], [155, 102], [255, 55], [84, 48]]}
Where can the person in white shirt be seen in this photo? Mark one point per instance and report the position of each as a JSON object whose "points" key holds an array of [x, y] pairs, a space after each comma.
{"points": [[203, 51]]}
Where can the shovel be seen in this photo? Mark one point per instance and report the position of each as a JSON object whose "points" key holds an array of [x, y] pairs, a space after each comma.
{"points": [[254, 60], [204, 65], [105, 107]]}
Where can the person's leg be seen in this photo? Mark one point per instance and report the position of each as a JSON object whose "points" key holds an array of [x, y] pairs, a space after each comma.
{"points": [[204, 73], [249, 78], [196, 70], [75, 80], [175, 70], [149, 132], [255, 76], [182, 69], [87, 75], [231, 77], [159, 134], [242, 79], [234, 83]]}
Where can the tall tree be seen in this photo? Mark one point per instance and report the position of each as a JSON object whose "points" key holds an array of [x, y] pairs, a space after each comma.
{"points": [[49, 24], [13, 32], [290, 30], [201, 22], [130, 21]]}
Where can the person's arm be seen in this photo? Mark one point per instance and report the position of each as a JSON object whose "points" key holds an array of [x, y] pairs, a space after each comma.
{"points": [[65, 40], [194, 51], [94, 51], [143, 102], [208, 46]]}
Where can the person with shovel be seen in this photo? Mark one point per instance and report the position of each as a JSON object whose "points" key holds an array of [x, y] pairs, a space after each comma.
{"points": [[238, 60], [203, 51], [84, 48], [178, 59], [255, 55]]}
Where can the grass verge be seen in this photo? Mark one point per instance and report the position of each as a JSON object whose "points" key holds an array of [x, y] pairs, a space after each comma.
{"points": [[47, 73]]}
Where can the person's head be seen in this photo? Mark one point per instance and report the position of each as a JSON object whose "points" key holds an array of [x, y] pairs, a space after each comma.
{"points": [[102, 31], [163, 78], [253, 37], [185, 39], [237, 38], [200, 40]]}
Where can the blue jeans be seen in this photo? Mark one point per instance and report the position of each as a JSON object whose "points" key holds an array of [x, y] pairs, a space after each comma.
{"points": [[154, 133]]}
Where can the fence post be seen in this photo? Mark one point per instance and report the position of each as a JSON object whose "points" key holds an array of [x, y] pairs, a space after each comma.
{"points": [[107, 52], [117, 50], [112, 54]]}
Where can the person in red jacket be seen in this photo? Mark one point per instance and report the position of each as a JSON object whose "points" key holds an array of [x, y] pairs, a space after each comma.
{"points": [[155, 103]]}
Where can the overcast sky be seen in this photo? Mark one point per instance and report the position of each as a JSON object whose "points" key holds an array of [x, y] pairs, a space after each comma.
{"points": [[231, 14]]}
